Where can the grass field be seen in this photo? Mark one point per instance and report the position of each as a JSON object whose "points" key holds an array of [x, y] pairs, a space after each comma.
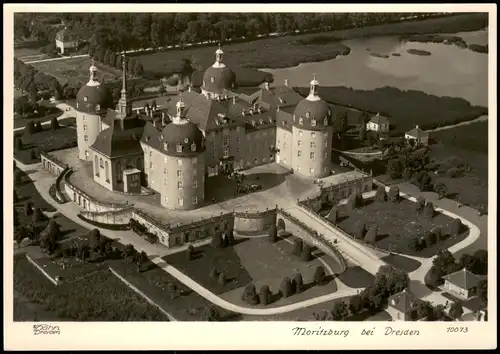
{"points": [[76, 70], [100, 297], [397, 224], [29, 54], [21, 122], [47, 140]]}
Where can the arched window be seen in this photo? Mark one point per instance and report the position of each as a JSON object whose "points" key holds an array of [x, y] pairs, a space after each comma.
{"points": [[193, 147], [119, 172], [101, 163], [106, 171], [179, 147], [96, 166], [325, 121]]}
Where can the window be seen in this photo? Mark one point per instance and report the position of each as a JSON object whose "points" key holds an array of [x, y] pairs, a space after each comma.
{"points": [[179, 184], [119, 172], [313, 122], [165, 183], [180, 201], [179, 173], [312, 155], [165, 199], [195, 161], [299, 153], [165, 146], [151, 165], [85, 138], [313, 144], [225, 131], [165, 171], [213, 155], [313, 134], [85, 127], [213, 144], [325, 169], [237, 150], [326, 143], [195, 173], [84, 116], [325, 121], [178, 147], [96, 166], [212, 79], [300, 132], [301, 120], [106, 171], [326, 154], [225, 153], [150, 153], [311, 171], [284, 145], [179, 162], [237, 139], [195, 184], [299, 143], [238, 129], [298, 168], [225, 141], [195, 200], [193, 147], [101, 163]]}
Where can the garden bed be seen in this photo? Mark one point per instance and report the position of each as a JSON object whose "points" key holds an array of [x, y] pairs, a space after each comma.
{"points": [[398, 223], [21, 122]]}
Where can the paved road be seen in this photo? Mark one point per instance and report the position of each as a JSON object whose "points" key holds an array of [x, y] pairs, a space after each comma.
{"points": [[66, 114]]}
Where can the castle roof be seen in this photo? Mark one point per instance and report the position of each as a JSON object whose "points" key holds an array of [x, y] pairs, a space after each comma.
{"points": [[378, 119], [69, 34], [463, 278], [417, 133], [402, 301], [121, 138]]}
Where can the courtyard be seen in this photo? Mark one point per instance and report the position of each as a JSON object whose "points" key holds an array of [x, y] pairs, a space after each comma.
{"points": [[398, 223]]}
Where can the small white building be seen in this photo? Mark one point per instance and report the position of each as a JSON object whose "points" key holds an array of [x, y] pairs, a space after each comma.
{"points": [[418, 136], [403, 304], [378, 124], [68, 40], [462, 284]]}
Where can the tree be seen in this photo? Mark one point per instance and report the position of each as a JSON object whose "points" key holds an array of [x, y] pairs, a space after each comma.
{"points": [[340, 310], [54, 124], [213, 272], [273, 234], [18, 177], [230, 238], [393, 194], [456, 226], [190, 252], [298, 283], [333, 215], [319, 277], [33, 154], [38, 127], [424, 310], [441, 189], [445, 262], [306, 253], [28, 209], [355, 304], [21, 234], [466, 261], [250, 295], [18, 144], [430, 238], [212, 314], [456, 310], [265, 295], [286, 287], [438, 233], [482, 290], [29, 128], [480, 262], [381, 195], [297, 247], [429, 210], [340, 124], [394, 168], [217, 241], [371, 234], [94, 238], [413, 244], [420, 204], [281, 224], [355, 201], [407, 173], [222, 279], [37, 215], [16, 197], [362, 133], [360, 230]]}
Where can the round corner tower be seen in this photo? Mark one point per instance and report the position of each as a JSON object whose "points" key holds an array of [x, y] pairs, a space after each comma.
{"points": [[218, 78], [183, 146], [312, 135], [90, 102]]}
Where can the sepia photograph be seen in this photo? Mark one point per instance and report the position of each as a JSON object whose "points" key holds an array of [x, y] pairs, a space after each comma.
{"points": [[325, 168]]}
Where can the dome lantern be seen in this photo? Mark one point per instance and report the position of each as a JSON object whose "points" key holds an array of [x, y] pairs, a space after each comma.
{"points": [[313, 92]]}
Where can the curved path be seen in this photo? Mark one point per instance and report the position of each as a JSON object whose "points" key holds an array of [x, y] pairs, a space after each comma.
{"points": [[71, 211]]}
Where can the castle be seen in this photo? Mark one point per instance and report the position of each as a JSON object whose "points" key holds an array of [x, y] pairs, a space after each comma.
{"points": [[175, 149]]}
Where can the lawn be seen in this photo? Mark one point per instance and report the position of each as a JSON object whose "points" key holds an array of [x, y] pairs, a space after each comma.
{"points": [[75, 70], [224, 260], [397, 223], [21, 122], [406, 264], [28, 192], [405, 109], [100, 297], [356, 277], [47, 140], [276, 261]]}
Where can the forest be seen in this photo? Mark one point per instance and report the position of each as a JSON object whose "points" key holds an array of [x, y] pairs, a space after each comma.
{"points": [[126, 31]]}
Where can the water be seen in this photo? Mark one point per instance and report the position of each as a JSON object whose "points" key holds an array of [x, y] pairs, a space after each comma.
{"points": [[448, 71]]}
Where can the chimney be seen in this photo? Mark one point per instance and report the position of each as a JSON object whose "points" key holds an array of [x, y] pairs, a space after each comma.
{"points": [[234, 99], [154, 123], [189, 88], [277, 108], [286, 82], [266, 85], [416, 127]]}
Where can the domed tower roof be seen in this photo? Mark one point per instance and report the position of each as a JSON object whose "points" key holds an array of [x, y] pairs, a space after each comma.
{"points": [[312, 113], [92, 97], [182, 137], [218, 77]]}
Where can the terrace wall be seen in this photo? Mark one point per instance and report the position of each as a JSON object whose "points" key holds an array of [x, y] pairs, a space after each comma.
{"points": [[118, 217], [153, 226], [254, 223]]}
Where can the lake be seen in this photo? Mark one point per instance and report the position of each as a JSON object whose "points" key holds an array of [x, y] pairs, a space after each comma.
{"points": [[448, 71]]}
